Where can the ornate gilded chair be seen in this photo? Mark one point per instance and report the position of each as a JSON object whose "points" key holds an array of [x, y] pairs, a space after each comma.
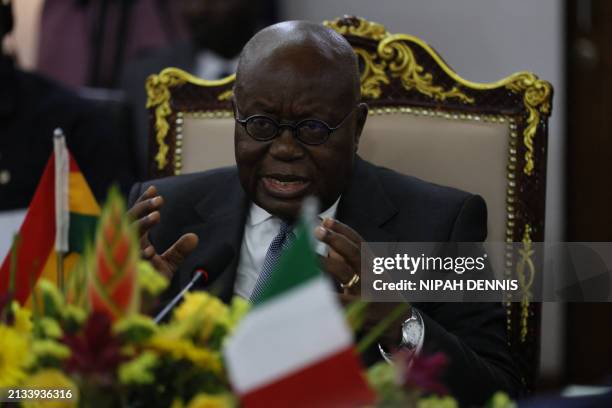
{"points": [[425, 120]]}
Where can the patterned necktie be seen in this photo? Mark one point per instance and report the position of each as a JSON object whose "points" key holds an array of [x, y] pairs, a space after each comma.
{"points": [[283, 239]]}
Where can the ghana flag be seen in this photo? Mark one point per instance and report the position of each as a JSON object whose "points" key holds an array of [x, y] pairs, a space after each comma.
{"points": [[36, 247]]}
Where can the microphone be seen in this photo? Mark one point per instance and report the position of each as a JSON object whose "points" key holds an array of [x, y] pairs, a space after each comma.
{"points": [[220, 258]]}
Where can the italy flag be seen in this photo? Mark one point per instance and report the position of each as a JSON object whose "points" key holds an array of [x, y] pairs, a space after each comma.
{"points": [[61, 217], [294, 348]]}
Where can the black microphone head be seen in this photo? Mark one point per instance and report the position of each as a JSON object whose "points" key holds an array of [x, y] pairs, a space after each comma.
{"points": [[219, 258]]}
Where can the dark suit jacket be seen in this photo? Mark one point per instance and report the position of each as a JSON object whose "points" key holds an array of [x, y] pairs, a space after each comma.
{"points": [[382, 206]]}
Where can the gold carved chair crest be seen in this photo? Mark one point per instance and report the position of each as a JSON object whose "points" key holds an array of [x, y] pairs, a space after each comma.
{"points": [[425, 120]]}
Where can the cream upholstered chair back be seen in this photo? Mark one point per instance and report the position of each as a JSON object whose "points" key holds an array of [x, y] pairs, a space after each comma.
{"points": [[445, 149], [425, 120]]}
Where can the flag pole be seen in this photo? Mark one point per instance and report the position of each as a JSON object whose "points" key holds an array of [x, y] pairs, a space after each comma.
{"points": [[62, 216], [60, 270]]}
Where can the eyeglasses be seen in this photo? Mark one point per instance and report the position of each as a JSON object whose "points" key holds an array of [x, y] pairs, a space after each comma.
{"points": [[308, 131]]}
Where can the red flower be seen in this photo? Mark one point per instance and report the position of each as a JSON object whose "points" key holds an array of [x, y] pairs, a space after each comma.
{"points": [[112, 287], [94, 351]]}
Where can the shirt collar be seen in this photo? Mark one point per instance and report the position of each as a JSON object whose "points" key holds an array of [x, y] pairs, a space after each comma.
{"points": [[258, 215]]}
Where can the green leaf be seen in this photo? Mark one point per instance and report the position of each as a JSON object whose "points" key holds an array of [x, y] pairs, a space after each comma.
{"points": [[355, 314], [381, 327]]}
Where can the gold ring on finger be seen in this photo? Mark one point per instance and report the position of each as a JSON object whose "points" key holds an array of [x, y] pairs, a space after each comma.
{"points": [[354, 280]]}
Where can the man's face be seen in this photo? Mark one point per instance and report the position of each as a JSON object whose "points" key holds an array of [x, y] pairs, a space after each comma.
{"points": [[278, 174]]}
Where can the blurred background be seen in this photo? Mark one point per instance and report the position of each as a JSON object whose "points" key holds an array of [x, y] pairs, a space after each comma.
{"points": [[96, 54]]}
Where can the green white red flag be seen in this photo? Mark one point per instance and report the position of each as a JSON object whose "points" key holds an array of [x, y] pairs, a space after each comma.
{"points": [[295, 348]]}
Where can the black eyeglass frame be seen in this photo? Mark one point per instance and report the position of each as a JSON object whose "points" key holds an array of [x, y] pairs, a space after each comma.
{"points": [[295, 127]]}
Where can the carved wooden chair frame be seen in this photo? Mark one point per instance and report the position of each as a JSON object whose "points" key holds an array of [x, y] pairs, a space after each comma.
{"points": [[401, 74]]}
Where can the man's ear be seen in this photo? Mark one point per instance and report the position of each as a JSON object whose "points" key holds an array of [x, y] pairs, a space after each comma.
{"points": [[362, 116]]}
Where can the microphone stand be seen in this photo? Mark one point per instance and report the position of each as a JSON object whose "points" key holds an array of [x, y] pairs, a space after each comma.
{"points": [[196, 276]]}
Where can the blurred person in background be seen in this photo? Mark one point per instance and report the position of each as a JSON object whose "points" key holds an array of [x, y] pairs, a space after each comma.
{"points": [[218, 29], [31, 107], [87, 42]]}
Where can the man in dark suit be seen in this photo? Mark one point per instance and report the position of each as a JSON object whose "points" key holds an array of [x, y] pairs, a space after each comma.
{"points": [[298, 123]]}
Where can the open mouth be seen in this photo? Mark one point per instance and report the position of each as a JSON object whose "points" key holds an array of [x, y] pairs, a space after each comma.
{"points": [[285, 185]]}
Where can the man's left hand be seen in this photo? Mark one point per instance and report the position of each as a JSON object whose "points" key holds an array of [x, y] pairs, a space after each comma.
{"points": [[342, 263]]}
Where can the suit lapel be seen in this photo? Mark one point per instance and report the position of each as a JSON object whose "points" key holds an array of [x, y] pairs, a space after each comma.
{"points": [[222, 217], [365, 206]]}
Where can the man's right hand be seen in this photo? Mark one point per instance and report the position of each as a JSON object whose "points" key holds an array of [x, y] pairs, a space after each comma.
{"points": [[145, 213]]}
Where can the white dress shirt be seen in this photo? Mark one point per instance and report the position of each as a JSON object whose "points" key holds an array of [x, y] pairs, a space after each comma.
{"points": [[260, 229]]}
